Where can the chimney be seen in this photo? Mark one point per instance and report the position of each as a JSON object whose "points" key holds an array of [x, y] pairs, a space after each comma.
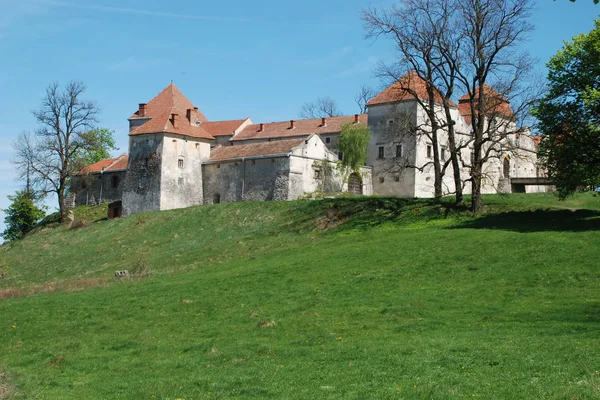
{"points": [[142, 110], [262, 127], [292, 124], [323, 121], [356, 118], [175, 120], [191, 116]]}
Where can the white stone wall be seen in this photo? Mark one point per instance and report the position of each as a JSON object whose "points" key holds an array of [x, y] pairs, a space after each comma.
{"points": [[388, 178], [181, 172]]}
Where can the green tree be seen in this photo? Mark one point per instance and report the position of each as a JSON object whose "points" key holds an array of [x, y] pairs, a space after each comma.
{"points": [[21, 215], [98, 143], [569, 114], [352, 143]]}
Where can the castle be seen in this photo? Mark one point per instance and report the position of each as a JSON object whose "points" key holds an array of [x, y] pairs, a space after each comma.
{"points": [[178, 158]]}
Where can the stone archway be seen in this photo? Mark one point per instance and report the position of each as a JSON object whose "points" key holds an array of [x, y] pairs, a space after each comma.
{"points": [[355, 185]]}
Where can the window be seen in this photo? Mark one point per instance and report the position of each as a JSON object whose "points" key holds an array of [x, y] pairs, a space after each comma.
{"points": [[114, 181], [381, 152], [429, 151], [216, 198], [180, 181], [391, 123], [443, 154], [180, 163], [327, 140], [397, 178], [340, 155], [253, 162], [472, 157], [146, 162], [143, 181], [317, 174], [398, 150], [218, 165], [381, 179]]}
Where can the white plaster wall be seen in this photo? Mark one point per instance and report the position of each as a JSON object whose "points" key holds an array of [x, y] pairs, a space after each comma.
{"points": [[387, 178], [182, 187]]}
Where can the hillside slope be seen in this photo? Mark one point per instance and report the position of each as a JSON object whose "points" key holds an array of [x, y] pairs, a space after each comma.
{"points": [[344, 298]]}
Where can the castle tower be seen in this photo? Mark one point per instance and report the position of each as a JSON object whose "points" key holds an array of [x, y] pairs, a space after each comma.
{"points": [[167, 146]]}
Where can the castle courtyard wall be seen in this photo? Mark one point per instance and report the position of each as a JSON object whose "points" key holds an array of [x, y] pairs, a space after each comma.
{"points": [[256, 179]]}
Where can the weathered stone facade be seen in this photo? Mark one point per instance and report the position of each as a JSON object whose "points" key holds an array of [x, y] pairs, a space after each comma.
{"points": [[177, 158]]}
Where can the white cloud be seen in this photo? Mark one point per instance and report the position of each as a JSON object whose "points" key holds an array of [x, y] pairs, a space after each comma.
{"points": [[329, 58], [358, 68], [136, 11]]}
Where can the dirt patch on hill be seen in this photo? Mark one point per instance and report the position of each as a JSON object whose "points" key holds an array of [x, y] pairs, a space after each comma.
{"points": [[51, 287], [5, 388], [331, 220]]}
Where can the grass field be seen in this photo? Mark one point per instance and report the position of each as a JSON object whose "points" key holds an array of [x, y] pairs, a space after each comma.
{"points": [[338, 298]]}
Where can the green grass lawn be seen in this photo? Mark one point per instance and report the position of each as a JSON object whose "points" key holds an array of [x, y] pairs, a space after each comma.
{"points": [[340, 299]]}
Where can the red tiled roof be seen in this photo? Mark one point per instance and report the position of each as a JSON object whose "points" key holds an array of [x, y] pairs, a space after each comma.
{"points": [[497, 104], [406, 88], [163, 124], [278, 147], [110, 164], [170, 97], [221, 128], [303, 127]]}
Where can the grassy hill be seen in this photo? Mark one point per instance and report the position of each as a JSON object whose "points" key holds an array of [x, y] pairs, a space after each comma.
{"points": [[335, 298]]}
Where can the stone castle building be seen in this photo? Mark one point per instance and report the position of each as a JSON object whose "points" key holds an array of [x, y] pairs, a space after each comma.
{"points": [[178, 158]]}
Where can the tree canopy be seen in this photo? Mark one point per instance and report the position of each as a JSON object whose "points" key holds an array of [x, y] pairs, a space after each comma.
{"points": [[352, 143], [569, 114], [21, 216]]}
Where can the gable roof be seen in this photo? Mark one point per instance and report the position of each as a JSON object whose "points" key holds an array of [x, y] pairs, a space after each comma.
{"points": [[275, 148], [223, 128], [170, 97], [497, 104], [163, 123], [108, 165], [406, 88], [303, 127]]}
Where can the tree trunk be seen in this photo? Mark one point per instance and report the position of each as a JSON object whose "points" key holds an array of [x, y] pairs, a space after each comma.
{"points": [[454, 156], [476, 201]]}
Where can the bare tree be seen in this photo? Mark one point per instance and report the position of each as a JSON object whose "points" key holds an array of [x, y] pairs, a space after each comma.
{"points": [[46, 157], [492, 30], [320, 108], [466, 45], [365, 94], [421, 33]]}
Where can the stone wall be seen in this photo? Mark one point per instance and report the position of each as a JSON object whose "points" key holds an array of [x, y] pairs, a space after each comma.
{"points": [[97, 188], [141, 191], [258, 179], [181, 171]]}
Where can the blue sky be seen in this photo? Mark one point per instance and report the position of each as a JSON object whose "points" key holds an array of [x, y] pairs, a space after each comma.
{"points": [[233, 59]]}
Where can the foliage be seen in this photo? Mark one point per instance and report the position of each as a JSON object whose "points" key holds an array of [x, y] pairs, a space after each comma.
{"points": [[21, 216], [569, 114], [98, 143], [352, 143], [386, 305], [49, 157]]}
